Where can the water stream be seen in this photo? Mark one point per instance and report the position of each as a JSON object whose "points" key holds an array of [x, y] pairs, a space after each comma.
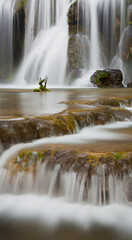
{"points": [[46, 53], [6, 38], [54, 202]]}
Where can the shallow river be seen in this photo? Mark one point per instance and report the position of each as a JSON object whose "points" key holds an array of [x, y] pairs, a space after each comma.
{"points": [[31, 215]]}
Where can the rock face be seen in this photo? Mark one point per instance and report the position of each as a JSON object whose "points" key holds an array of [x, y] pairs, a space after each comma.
{"points": [[77, 158], [80, 112], [75, 51], [129, 85], [126, 45], [77, 45], [126, 52], [126, 48], [130, 14], [107, 78], [75, 17]]}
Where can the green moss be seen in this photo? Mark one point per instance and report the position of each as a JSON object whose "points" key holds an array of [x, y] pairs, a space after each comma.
{"points": [[23, 2], [30, 153], [119, 155], [102, 75], [130, 23], [73, 31], [37, 90], [22, 154], [42, 88], [40, 156]]}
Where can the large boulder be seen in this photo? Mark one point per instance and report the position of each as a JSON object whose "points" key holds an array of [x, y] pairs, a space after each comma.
{"points": [[129, 85], [110, 78]]}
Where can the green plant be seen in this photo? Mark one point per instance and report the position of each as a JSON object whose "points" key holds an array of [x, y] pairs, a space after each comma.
{"points": [[42, 85]]}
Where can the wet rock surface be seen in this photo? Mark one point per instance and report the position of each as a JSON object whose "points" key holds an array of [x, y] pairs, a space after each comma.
{"points": [[79, 113], [129, 85], [79, 159], [110, 78], [88, 157], [126, 51], [75, 56]]}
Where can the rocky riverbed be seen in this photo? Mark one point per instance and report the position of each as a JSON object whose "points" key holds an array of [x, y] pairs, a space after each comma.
{"points": [[91, 131]]}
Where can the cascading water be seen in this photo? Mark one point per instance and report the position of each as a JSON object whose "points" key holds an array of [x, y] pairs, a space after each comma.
{"points": [[53, 195], [46, 42], [6, 38], [64, 203], [103, 24], [46, 39]]}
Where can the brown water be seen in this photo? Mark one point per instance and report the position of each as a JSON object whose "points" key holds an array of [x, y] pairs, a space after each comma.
{"points": [[20, 103]]}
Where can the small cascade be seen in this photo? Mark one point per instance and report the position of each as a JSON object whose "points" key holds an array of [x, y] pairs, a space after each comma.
{"points": [[6, 38], [98, 188]]}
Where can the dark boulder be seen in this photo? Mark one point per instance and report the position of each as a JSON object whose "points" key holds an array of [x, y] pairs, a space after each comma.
{"points": [[110, 78], [129, 85]]}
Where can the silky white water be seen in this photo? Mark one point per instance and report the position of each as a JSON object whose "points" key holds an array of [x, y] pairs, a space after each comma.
{"points": [[74, 190], [46, 40], [100, 20], [56, 203], [6, 37], [46, 53]]}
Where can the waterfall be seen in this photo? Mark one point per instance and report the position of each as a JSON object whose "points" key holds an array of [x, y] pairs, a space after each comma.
{"points": [[100, 27], [98, 189], [103, 24], [46, 42], [54, 178], [6, 38], [94, 46]]}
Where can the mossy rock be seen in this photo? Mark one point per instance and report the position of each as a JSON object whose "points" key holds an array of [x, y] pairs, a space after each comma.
{"points": [[110, 78], [77, 158], [37, 90], [78, 113]]}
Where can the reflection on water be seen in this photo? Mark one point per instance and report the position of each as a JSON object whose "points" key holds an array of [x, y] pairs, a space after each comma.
{"points": [[19, 103]]}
